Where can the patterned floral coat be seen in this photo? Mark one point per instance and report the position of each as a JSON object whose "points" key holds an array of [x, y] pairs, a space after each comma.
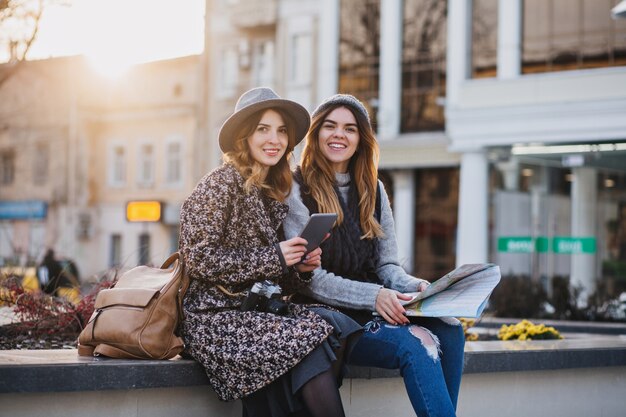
{"points": [[229, 237]]}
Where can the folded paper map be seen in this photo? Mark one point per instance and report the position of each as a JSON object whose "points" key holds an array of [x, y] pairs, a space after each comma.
{"points": [[461, 293]]}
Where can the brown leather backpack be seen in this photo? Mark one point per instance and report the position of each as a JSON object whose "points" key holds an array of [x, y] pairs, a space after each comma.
{"points": [[138, 318]]}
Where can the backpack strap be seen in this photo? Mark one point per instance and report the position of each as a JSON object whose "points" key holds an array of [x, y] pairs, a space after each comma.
{"points": [[184, 281]]}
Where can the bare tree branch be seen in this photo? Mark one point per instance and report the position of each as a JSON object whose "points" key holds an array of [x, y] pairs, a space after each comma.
{"points": [[36, 16], [19, 26]]}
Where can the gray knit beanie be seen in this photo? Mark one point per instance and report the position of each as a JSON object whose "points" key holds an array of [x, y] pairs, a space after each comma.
{"points": [[346, 100]]}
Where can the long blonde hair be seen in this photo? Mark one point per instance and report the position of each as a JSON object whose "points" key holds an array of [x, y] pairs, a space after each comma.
{"points": [[277, 183], [319, 175]]}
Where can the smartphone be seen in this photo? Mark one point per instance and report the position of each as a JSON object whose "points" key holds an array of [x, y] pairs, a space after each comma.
{"points": [[316, 228]]}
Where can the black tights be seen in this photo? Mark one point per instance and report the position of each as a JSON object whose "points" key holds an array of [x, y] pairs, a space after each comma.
{"points": [[320, 396]]}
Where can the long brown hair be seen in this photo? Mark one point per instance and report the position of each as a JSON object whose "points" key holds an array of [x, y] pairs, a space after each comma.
{"points": [[319, 175], [277, 183]]}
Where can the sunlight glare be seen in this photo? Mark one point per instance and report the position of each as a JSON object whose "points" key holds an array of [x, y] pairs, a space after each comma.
{"points": [[117, 34]]}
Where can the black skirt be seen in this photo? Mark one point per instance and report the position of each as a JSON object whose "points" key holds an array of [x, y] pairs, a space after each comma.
{"points": [[282, 397]]}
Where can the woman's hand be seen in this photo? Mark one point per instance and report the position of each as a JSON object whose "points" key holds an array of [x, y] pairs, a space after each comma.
{"points": [[311, 261], [293, 250], [389, 307]]}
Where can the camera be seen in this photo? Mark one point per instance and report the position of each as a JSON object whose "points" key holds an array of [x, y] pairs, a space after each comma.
{"points": [[266, 297]]}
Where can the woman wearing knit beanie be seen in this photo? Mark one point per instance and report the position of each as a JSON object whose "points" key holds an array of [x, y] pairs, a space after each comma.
{"points": [[360, 273]]}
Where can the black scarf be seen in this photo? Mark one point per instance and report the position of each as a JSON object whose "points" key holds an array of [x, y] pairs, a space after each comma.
{"points": [[344, 253]]}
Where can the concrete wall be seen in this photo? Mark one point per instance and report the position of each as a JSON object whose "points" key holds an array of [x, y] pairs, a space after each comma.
{"points": [[567, 393], [180, 402]]}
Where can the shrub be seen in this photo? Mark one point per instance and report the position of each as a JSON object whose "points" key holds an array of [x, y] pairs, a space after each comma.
{"points": [[603, 305], [518, 296], [40, 314], [564, 298]]}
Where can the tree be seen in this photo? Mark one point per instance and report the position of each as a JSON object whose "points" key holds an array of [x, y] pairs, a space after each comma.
{"points": [[19, 26]]}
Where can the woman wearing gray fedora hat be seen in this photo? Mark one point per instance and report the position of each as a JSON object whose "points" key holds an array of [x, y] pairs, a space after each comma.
{"points": [[276, 356], [360, 273]]}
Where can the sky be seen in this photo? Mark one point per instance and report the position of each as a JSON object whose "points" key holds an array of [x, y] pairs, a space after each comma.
{"points": [[115, 34]]}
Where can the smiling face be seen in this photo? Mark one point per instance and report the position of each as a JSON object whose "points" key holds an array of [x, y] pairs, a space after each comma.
{"points": [[339, 138], [269, 141]]}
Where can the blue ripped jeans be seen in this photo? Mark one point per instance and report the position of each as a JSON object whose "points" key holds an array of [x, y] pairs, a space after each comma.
{"points": [[431, 366]]}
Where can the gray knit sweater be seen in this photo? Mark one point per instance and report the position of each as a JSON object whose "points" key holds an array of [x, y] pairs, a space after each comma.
{"points": [[340, 291]]}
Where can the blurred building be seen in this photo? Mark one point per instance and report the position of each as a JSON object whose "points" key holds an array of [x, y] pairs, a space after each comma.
{"points": [[34, 158], [141, 135], [501, 124], [76, 148], [536, 102], [309, 50]]}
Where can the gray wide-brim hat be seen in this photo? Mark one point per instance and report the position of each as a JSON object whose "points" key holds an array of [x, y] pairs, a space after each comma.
{"points": [[257, 99]]}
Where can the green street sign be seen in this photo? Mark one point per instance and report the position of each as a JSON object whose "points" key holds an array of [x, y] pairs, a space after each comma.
{"points": [[523, 244], [574, 245], [516, 244], [542, 244]]}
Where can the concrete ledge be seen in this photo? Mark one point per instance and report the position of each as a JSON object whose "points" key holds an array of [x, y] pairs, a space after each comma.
{"points": [[516, 356], [513, 379], [24, 371], [64, 370]]}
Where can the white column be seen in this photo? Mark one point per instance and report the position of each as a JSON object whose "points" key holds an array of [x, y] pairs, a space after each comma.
{"points": [[584, 214], [538, 206], [472, 231], [390, 76], [459, 52], [328, 49], [509, 38], [404, 216]]}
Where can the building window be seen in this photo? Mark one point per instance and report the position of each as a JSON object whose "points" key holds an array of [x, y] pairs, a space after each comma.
{"points": [[423, 65], [359, 51], [40, 164], [484, 38], [228, 72], [118, 166], [145, 175], [263, 64], [300, 66], [7, 167], [144, 249], [436, 211], [561, 35], [115, 251], [173, 163]]}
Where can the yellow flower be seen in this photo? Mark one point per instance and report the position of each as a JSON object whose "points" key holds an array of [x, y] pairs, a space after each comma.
{"points": [[527, 330]]}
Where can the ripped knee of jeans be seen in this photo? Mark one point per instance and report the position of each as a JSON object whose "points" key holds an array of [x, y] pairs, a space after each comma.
{"points": [[452, 321], [429, 341]]}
